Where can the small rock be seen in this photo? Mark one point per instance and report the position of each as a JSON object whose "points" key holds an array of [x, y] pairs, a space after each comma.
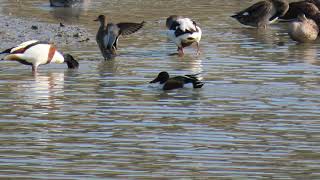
{"points": [[33, 27], [76, 35]]}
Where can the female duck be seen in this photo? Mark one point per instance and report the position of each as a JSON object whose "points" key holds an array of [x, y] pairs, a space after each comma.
{"points": [[35, 53], [262, 13], [107, 36], [168, 83], [183, 32], [303, 29]]}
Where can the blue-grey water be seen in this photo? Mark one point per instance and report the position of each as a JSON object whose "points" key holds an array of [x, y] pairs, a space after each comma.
{"points": [[257, 116]]}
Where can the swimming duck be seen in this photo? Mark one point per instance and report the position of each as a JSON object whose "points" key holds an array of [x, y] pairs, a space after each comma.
{"points": [[262, 13], [107, 36], [183, 32], [167, 83], [303, 29], [64, 3], [35, 53], [300, 7]]}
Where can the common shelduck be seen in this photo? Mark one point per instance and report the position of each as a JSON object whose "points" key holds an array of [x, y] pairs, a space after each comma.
{"points": [[262, 13], [35, 53], [183, 32], [167, 83], [107, 36]]}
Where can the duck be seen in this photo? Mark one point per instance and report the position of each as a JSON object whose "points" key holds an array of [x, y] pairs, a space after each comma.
{"points": [[64, 3], [35, 53], [303, 29], [166, 83], [315, 2], [107, 36], [309, 9], [183, 32], [262, 13]]}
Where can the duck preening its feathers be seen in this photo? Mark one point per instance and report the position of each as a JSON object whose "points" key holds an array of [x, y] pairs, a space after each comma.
{"points": [[108, 35], [262, 13], [168, 83], [36, 53], [183, 32], [303, 29]]}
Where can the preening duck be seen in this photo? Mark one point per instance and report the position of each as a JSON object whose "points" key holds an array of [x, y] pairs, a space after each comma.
{"points": [[303, 29], [35, 53], [107, 36], [183, 32], [177, 82], [262, 13]]}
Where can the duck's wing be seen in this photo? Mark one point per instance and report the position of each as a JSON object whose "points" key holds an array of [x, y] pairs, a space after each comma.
{"points": [[112, 33], [129, 28], [256, 11], [22, 47], [173, 84]]}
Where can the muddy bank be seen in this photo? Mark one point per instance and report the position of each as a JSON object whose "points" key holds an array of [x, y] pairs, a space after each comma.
{"points": [[16, 30]]}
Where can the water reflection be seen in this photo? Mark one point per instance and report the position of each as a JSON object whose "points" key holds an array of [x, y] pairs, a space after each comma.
{"points": [[70, 14], [41, 91]]}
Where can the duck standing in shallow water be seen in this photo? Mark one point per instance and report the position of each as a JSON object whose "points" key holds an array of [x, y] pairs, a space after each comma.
{"points": [[35, 53], [303, 29], [177, 82], [262, 13], [183, 32], [107, 36], [64, 3]]}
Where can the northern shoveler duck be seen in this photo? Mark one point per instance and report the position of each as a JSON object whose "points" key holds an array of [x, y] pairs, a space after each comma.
{"points": [[107, 36], [301, 7], [167, 83], [262, 13], [64, 3], [303, 29], [183, 32], [35, 53]]}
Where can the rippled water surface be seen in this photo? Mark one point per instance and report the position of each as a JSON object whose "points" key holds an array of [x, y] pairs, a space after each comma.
{"points": [[257, 117]]}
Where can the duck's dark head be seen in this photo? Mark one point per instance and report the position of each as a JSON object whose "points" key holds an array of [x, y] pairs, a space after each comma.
{"points": [[101, 18], [162, 77], [71, 62]]}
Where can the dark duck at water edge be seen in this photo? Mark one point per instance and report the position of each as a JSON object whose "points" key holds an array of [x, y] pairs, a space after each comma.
{"points": [[262, 13], [35, 53], [64, 3], [183, 32], [166, 83], [108, 35]]}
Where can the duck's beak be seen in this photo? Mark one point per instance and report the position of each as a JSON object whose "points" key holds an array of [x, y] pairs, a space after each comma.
{"points": [[155, 80], [96, 19]]}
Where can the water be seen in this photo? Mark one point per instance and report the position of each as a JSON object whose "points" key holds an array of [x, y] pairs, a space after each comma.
{"points": [[257, 116]]}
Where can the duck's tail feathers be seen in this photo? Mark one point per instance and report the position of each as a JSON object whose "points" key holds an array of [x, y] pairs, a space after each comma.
{"points": [[198, 84]]}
